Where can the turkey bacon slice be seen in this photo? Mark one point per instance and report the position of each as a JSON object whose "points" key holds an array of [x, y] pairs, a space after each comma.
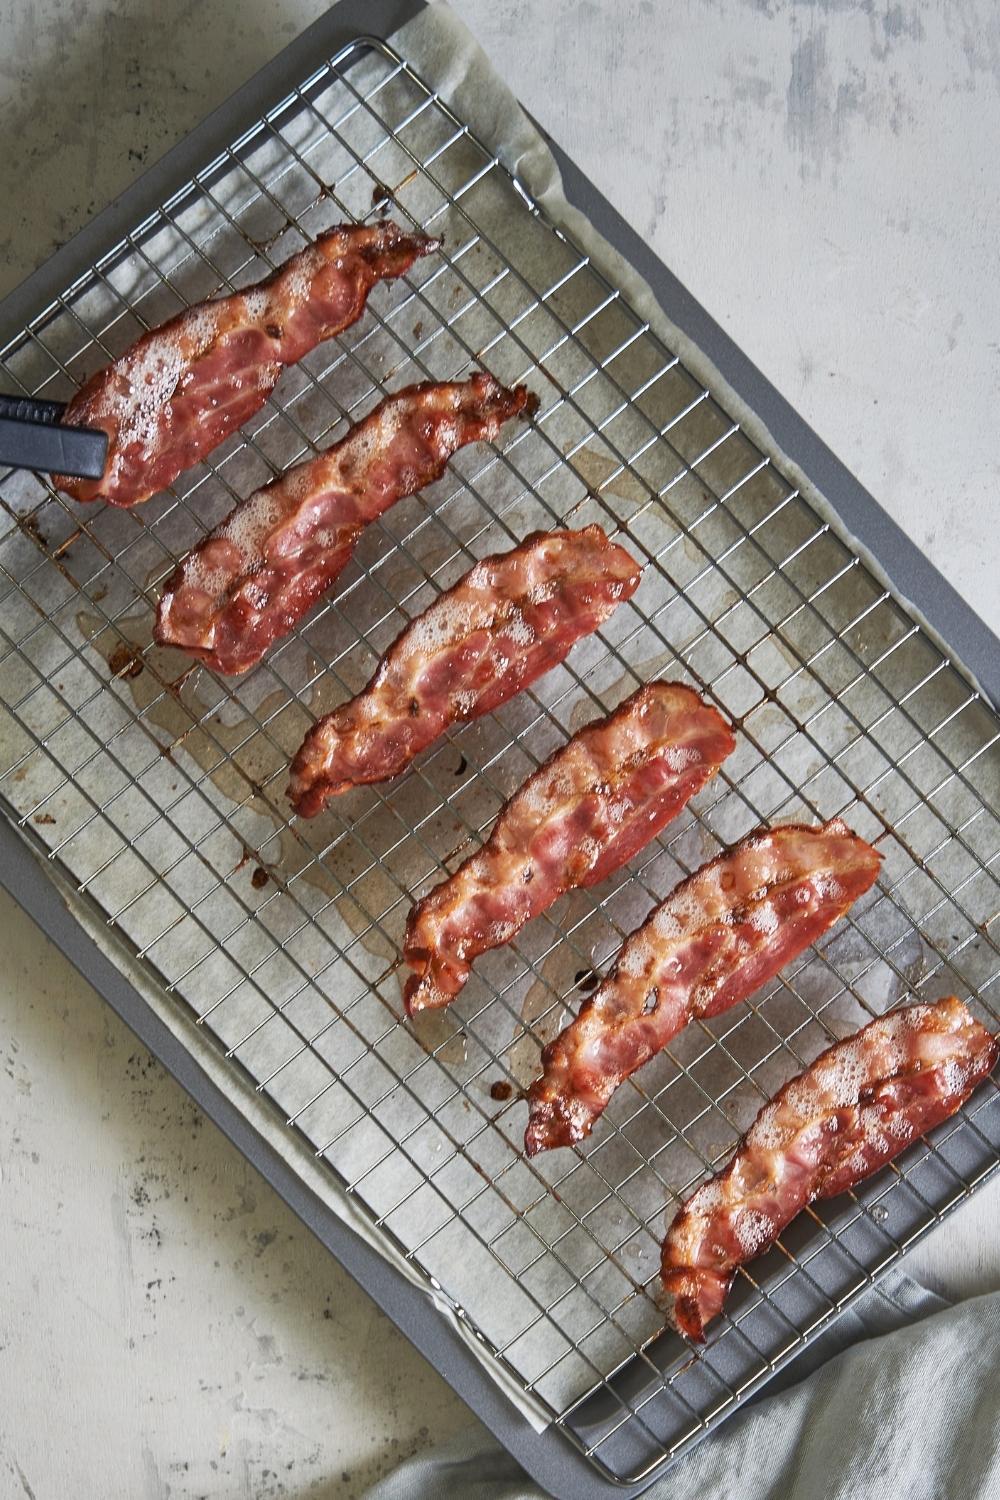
{"points": [[719, 936], [508, 620], [580, 816], [184, 387], [253, 578], [861, 1103]]}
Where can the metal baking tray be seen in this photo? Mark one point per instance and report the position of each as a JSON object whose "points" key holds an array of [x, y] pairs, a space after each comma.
{"points": [[153, 802]]}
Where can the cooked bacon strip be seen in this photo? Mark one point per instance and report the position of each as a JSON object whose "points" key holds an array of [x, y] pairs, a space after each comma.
{"points": [[856, 1107], [724, 932], [268, 562], [580, 816], [182, 388], [511, 618]]}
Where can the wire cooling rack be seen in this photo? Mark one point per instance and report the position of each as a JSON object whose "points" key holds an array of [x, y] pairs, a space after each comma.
{"points": [[159, 790]]}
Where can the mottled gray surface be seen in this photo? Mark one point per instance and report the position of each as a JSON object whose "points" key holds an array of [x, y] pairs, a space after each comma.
{"points": [[822, 176]]}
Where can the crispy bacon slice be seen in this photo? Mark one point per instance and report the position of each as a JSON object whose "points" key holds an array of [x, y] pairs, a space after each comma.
{"points": [[723, 933], [268, 562], [856, 1107], [511, 618], [180, 389], [580, 816]]}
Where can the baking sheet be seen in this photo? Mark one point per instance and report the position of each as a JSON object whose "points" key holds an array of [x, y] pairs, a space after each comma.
{"points": [[596, 1309]]}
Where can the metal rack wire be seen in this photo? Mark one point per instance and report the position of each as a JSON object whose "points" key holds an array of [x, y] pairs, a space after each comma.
{"points": [[159, 791]]}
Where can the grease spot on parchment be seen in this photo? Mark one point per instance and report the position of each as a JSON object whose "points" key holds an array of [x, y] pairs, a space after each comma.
{"points": [[248, 767], [542, 1016], [594, 469]]}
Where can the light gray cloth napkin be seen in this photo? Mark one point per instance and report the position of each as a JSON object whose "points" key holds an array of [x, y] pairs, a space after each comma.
{"points": [[899, 1398]]}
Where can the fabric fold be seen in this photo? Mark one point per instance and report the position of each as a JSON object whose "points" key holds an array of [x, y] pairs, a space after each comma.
{"points": [[900, 1397]]}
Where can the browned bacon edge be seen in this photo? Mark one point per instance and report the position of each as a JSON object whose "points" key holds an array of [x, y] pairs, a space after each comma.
{"points": [[251, 579], [509, 619], [580, 816], [723, 933], [185, 386], [861, 1103]]}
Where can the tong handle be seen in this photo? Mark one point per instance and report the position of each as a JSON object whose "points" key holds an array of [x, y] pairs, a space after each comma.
{"points": [[32, 437]]}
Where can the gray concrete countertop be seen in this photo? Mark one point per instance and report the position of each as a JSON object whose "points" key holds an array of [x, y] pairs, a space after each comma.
{"points": [[822, 177]]}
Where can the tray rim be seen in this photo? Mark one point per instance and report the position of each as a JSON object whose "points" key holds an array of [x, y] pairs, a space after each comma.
{"points": [[549, 1457]]}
